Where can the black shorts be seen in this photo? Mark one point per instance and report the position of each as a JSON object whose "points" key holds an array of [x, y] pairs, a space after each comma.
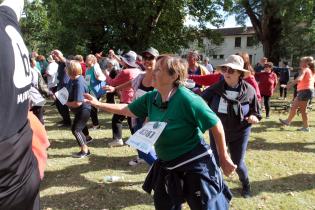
{"points": [[305, 95]]}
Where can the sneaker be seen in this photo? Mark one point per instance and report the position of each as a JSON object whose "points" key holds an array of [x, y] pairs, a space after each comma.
{"points": [[116, 143], [304, 129], [89, 139], [136, 161], [267, 117], [246, 191], [81, 154], [284, 122], [95, 127]]}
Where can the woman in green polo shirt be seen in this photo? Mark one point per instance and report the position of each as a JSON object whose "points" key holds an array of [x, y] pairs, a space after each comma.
{"points": [[185, 169]]}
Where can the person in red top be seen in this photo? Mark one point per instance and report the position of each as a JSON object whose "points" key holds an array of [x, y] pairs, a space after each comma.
{"points": [[82, 63], [130, 71], [267, 84], [210, 79]]}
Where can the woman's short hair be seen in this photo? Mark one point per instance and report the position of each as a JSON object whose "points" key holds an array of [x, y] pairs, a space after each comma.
{"points": [[175, 65], [309, 60], [78, 58], [74, 68], [40, 58], [92, 58], [269, 64]]}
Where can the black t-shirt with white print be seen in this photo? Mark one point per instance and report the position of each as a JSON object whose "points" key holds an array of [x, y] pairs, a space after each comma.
{"points": [[15, 75], [18, 166]]}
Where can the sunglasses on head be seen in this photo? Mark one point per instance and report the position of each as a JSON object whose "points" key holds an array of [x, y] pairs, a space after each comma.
{"points": [[226, 69]]}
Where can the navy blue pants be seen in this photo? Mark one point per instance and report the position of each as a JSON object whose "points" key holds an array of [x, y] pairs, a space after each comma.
{"points": [[267, 104], [202, 187], [117, 125], [79, 128], [237, 148], [64, 112], [94, 115], [151, 156]]}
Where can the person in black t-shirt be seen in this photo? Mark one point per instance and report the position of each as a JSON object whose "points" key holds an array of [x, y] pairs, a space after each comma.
{"points": [[19, 174], [77, 87]]}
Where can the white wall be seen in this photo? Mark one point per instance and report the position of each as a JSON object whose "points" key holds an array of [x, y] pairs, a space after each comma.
{"points": [[228, 48]]}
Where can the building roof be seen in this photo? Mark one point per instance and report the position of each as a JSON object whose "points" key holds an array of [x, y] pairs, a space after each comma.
{"points": [[236, 31]]}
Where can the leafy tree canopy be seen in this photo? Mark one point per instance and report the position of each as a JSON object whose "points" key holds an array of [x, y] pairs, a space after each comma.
{"points": [[91, 26], [284, 27]]}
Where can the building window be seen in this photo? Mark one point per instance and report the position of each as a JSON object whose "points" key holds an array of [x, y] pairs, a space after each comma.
{"points": [[215, 56], [221, 56], [250, 41], [238, 41], [251, 58]]}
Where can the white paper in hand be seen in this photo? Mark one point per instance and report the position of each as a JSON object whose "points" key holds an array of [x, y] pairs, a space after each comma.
{"points": [[62, 95], [145, 137]]}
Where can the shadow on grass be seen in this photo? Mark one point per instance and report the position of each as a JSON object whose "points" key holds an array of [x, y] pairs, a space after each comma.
{"points": [[97, 163], [87, 194], [69, 143], [262, 144], [263, 126], [294, 183]]}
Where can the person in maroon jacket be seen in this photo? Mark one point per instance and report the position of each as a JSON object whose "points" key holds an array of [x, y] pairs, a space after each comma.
{"points": [[267, 84]]}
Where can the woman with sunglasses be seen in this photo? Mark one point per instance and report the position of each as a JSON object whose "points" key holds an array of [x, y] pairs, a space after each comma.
{"points": [[267, 85], [141, 85], [185, 169], [210, 79], [236, 104]]}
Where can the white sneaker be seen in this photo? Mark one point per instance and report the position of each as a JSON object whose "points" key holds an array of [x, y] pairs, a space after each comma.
{"points": [[116, 143], [136, 161]]}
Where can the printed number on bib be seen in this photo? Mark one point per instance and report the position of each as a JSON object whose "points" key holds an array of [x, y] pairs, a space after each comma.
{"points": [[145, 138]]}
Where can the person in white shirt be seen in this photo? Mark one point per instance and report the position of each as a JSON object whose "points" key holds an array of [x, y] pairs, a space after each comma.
{"points": [[208, 65], [51, 73]]}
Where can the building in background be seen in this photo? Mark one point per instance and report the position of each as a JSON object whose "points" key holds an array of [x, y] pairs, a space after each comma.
{"points": [[236, 40]]}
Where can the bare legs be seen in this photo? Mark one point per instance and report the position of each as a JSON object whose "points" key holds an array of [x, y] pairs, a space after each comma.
{"points": [[301, 105]]}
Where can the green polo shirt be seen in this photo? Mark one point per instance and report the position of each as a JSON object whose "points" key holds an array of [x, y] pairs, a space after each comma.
{"points": [[187, 117]]}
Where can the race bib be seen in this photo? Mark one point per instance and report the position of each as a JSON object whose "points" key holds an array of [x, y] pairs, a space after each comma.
{"points": [[88, 79], [62, 95], [145, 138]]}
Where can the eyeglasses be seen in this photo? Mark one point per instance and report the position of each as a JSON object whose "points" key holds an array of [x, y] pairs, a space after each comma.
{"points": [[148, 58], [267, 66], [229, 70]]}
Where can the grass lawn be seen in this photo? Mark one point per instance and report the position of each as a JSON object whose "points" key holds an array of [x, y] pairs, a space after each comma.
{"points": [[281, 163]]}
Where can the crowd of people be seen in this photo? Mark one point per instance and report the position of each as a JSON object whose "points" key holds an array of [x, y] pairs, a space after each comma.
{"points": [[152, 92]]}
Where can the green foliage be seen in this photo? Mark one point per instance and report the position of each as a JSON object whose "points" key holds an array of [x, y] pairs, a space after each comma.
{"points": [[278, 24], [35, 26], [92, 26]]}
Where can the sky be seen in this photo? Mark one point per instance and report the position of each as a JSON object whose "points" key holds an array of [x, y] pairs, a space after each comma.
{"points": [[229, 22]]}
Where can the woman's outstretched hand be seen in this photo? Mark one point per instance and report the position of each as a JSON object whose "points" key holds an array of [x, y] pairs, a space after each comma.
{"points": [[90, 99], [227, 165]]}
